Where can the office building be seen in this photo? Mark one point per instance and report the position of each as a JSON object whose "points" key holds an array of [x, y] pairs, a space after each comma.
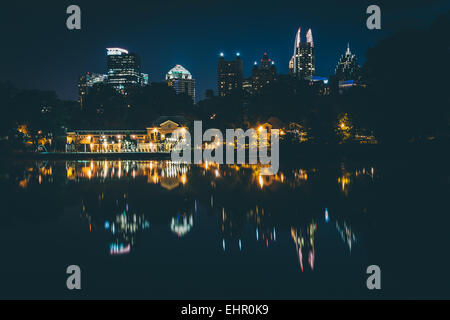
{"points": [[302, 64], [230, 75], [182, 81], [264, 73], [124, 70]]}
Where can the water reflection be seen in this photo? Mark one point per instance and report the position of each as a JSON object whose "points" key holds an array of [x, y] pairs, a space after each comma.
{"points": [[125, 200]]}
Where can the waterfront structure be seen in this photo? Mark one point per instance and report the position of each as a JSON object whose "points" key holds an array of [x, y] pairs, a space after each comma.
{"points": [[162, 136], [124, 70], [263, 74], [85, 84], [230, 75], [347, 67], [182, 81], [302, 64]]}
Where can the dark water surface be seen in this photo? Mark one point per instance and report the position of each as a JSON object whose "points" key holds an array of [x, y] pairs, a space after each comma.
{"points": [[155, 229]]}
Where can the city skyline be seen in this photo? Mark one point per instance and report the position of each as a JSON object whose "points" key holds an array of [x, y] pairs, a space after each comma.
{"points": [[144, 29]]}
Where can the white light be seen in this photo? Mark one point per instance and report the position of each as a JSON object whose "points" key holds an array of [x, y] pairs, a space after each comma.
{"points": [[116, 51]]}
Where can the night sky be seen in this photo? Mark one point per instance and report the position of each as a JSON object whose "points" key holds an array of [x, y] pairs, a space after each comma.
{"points": [[38, 51]]}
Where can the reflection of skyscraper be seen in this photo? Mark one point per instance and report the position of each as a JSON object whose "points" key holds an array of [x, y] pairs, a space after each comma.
{"points": [[229, 75], [182, 224], [305, 244], [124, 70], [347, 67], [181, 80], [302, 64], [263, 74]]}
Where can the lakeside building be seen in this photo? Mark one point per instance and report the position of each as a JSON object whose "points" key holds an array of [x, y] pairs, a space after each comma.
{"points": [[162, 136]]}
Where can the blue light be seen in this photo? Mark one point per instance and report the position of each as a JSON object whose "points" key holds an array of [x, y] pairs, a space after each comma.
{"points": [[107, 225], [238, 54]]}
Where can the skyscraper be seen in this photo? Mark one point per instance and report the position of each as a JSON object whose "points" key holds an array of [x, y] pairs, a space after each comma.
{"points": [[229, 74], [302, 64], [86, 82], [263, 74], [124, 70], [347, 67], [181, 80]]}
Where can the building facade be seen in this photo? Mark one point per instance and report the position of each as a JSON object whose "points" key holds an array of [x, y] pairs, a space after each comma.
{"points": [[162, 136], [347, 67], [230, 75], [182, 81], [302, 64], [124, 70], [263, 74]]}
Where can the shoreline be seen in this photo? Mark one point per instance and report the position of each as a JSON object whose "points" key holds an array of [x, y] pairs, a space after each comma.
{"points": [[287, 153]]}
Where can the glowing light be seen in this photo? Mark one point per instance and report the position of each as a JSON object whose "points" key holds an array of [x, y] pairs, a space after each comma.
{"points": [[116, 51]]}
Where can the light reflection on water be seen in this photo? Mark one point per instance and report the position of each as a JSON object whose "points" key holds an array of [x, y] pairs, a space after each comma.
{"points": [[305, 217]]}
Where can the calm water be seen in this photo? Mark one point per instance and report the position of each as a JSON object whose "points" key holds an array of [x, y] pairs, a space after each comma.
{"points": [[155, 229]]}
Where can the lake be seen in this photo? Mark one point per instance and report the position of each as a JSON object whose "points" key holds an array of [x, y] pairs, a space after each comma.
{"points": [[162, 230]]}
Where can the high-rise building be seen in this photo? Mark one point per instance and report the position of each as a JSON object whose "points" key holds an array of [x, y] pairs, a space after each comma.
{"points": [[302, 64], [181, 80], [230, 75], [247, 86], [263, 74], [86, 82], [124, 70], [347, 67]]}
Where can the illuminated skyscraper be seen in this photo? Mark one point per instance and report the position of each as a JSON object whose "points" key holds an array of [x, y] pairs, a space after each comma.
{"points": [[229, 74], [347, 67], [181, 80], [263, 74], [302, 64], [124, 70]]}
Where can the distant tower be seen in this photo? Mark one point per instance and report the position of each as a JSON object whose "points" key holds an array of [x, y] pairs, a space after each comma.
{"points": [[124, 70], [181, 80], [230, 75], [263, 74], [302, 64], [86, 83], [347, 67]]}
